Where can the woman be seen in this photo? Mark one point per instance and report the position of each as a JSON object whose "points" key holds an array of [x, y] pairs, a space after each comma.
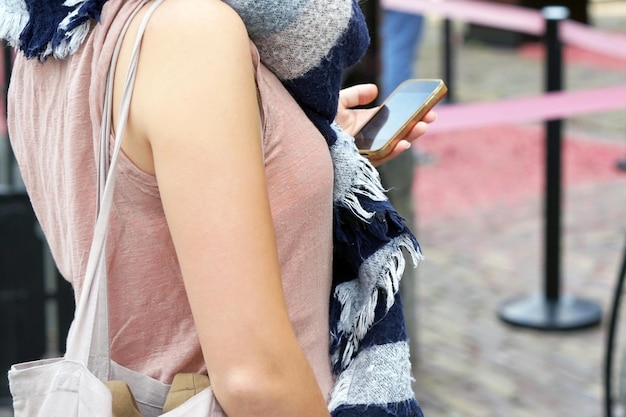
{"points": [[220, 246]]}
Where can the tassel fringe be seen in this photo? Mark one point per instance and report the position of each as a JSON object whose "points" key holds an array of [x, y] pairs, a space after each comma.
{"points": [[379, 275], [70, 44], [355, 176], [14, 20], [71, 31]]}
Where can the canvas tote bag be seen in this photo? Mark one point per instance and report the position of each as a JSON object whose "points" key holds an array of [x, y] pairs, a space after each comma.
{"points": [[76, 384]]}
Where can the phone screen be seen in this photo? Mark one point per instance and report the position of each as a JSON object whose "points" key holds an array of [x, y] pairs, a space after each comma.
{"points": [[395, 112]]}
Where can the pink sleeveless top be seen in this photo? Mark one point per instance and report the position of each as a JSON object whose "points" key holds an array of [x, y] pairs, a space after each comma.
{"points": [[54, 118]]}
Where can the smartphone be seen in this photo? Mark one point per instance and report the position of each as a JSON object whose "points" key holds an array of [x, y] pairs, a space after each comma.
{"points": [[397, 115]]}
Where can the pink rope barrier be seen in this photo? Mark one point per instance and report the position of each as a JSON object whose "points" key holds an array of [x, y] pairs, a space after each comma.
{"points": [[489, 14], [515, 18], [549, 106], [585, 37]]}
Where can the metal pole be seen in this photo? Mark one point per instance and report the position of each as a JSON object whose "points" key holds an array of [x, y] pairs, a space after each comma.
{"points": [[552, 231], [551, 310], [610, 340], [448, 60], [621, 164]]}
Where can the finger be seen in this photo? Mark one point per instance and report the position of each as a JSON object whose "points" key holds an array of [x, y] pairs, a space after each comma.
{"points": [[400, 147], [358, 95], [418, 130], [430, 117]]}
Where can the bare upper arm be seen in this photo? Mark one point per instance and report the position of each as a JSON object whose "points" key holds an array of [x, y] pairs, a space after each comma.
{"points": [[194, 122], [196, 104]]}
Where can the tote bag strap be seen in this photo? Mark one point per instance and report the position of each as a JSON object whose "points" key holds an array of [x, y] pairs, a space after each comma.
{"points": [[88, 335]]}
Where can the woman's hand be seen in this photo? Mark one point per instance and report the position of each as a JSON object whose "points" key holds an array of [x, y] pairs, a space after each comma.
{"points": [[351, 119]]}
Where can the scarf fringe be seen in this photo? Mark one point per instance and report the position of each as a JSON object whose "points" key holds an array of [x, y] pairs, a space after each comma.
{"points": [[379, 276], [355, 176], [365, 184], [14, 20], [358, 190], [71, 30], [69, 45]]}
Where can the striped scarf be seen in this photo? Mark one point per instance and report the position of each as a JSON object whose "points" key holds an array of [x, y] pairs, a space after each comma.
{"points": [[307, 44]]}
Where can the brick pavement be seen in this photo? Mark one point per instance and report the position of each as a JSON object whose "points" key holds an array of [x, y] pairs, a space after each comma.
{"points": [[470, 362]]}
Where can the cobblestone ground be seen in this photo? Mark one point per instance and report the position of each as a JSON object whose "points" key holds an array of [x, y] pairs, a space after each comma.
{"points": [[472, 364], [469, 362]]}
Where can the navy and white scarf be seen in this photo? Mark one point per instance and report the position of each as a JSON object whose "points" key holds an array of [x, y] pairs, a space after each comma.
{"points": [[307, 44]]}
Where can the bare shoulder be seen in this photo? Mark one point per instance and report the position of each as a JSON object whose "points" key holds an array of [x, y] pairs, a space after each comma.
{"points": [[191, 21], [200, 46], [206, 24], [195, 65]]}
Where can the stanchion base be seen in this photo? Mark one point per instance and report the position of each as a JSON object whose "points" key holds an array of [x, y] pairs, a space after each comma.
{"points": [[564, 313]]}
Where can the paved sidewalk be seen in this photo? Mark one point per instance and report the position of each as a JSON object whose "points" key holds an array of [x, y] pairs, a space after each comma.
{"points": [[471, 363]]}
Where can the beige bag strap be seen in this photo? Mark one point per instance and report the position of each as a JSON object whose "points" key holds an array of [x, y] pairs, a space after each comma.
{"points": [[88, 336]]}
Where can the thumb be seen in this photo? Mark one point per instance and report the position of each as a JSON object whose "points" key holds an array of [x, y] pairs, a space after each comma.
{"points": [[358, 95]]}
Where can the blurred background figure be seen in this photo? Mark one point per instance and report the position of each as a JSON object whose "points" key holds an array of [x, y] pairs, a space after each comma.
{"points": [[400, 34]]}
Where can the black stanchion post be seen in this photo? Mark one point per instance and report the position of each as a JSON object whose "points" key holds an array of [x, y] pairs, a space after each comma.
{"points": [[551, 310], [611, 338], [552, 232], [448, 60], [621, 164]]}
